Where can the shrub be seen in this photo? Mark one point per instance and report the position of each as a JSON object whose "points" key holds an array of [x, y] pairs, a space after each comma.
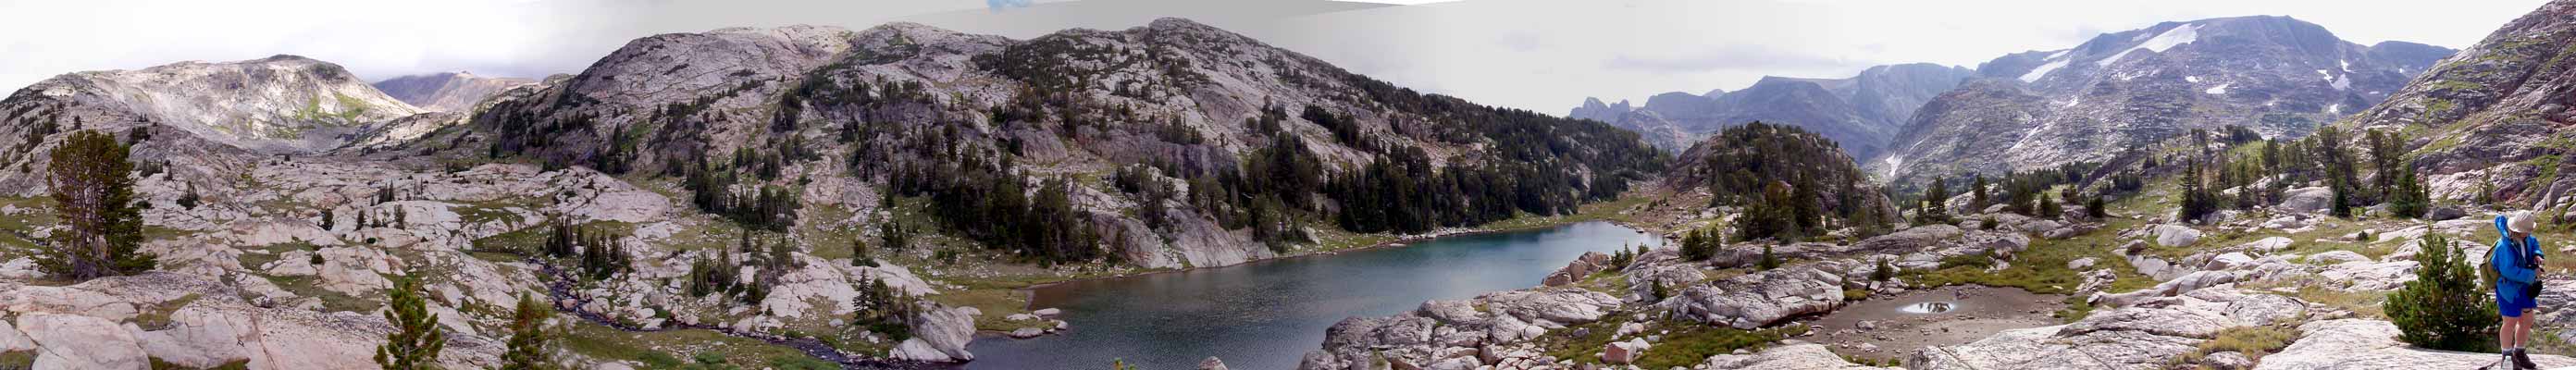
{"points": [[2443, 308]]}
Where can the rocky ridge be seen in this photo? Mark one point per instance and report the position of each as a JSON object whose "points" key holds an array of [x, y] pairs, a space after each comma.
{"points": [[447, 91], [1861, 113]]}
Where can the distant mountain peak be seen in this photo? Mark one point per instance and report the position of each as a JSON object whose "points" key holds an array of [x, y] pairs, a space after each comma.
{"points": [[1860, 113], [2279, 76]]}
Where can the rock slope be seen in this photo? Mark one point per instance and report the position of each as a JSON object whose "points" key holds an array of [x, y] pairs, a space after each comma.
{"points": [[2491, 118]]}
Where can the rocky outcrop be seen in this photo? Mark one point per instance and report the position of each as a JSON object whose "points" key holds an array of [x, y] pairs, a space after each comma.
{"points": [[199, 323], [1759, 299]]}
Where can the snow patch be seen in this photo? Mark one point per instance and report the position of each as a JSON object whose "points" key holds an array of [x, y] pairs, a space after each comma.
{"points": [[2167, 40], [2346, 64], [2337, 108], [2042, 71], [2220, 90], [1892, 164], [2191, 79], [2327, 76]]}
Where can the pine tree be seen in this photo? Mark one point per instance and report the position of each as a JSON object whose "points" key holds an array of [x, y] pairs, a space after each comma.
{"points": [[416, 340], [2048, 208], [2443, 308], [1936, 208], [1884, 272], [2410, 199], [859, 254], [1699, 245], [529, 342], [93, 193], [1768, 261], [189, 200], [1977, 201], [2095, 208]]}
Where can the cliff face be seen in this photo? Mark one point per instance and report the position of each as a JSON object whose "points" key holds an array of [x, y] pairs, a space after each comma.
{"points": [[2278, 76]]}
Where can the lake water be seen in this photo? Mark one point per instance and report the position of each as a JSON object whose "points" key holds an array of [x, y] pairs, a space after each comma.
{"points": [[1268, 314]]}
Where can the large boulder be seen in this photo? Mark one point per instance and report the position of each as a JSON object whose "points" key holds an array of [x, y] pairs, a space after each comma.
{"points": [[938, 335], [2306, 200], [2175, 235], [1755, 300], [1584, 266], [1624, 352]]}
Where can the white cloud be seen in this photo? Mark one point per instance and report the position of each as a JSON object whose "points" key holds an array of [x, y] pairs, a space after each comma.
{"points": [[1542, 55]]}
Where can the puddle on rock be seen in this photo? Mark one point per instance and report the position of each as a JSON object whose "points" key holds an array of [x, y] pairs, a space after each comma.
{"points": [[1926, 308]]}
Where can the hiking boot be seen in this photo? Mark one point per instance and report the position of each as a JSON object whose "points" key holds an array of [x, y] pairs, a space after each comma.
{"points": [[2522, 360]]}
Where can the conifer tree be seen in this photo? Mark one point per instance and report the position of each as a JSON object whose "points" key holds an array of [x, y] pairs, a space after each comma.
{"points": [[416, 340], [1936, 208], [859, 254], [2444, 308], [529, 342], [93, 193], [2409, 199], [1977, 201]]}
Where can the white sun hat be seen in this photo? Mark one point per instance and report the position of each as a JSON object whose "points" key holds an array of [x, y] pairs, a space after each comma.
{"points": [[2520, 222]]}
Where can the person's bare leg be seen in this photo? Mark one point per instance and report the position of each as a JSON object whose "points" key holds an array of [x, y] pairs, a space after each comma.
{"points": [[2522, 330], [2504, 336]]}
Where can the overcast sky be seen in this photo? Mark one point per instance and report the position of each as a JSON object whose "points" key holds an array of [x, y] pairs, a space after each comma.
{"points": [[1539, 55]]}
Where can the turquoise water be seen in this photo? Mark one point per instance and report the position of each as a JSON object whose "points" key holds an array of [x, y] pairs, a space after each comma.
{"points": [[1266, 315]]}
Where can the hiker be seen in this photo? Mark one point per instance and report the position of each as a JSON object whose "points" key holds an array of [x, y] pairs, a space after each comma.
{"points": [[2516, 259]]}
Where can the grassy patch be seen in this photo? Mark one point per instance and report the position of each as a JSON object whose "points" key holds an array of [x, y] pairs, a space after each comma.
{"points": [[157, 317], [2251, 341], [1693, 343], [17, 360], [1685, 343], [311, 287], [663, 349]]}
